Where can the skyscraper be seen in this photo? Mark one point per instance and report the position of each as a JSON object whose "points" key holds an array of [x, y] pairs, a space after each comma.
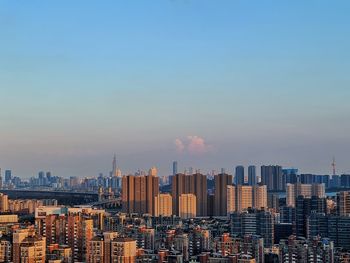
{"points": [[139, 192], [239, 175], [252, 175], [220, 195], [8, 176], [116, 176], [174, 167], [271, 176]]}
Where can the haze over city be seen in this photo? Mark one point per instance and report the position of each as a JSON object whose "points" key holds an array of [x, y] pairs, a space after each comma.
{"points": [[210, 84]]}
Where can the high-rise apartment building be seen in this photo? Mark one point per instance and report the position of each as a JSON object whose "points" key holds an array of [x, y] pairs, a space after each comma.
{"points": [[305, 190], [5, 249], [80, 232], [187, 206], [139, 192], [253, 222], [123, 250], [96, 250], [343, 203], [242, 197], [345, 180], [239, 175], [4, 203], [231, 199], [272, 177], [305, 206], [28, 246], [190, 184], [260, 196], [163, 205], [99, 248], [252, 175], [220, 195], [336, 228]]}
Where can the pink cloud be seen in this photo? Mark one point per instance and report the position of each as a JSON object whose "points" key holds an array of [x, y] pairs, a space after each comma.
{"points": [[193, 144], [196, 145]]}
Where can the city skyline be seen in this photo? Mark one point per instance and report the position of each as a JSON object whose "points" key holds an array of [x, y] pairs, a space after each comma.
{"points": [[210, 85], [186, 170]]}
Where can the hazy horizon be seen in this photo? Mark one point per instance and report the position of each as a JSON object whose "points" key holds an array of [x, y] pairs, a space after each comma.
{"points": [[208, 84]]}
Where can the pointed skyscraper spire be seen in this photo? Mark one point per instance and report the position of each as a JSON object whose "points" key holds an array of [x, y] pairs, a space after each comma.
{"points": [[114, 164]]}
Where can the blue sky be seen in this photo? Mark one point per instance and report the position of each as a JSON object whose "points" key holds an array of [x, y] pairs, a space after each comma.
{"points": [[259, 82]]}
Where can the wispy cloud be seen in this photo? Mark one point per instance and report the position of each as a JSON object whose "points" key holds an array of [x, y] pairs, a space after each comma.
{"points": [[179, 146]]}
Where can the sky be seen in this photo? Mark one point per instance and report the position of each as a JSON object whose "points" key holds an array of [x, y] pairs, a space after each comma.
{"points": [[208, 83]]}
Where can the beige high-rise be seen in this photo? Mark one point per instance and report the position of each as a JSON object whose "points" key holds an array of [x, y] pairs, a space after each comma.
{"points": [[28, 247], [244, 197], [99, 250], [4, 203], [305, 190], [163, 205], [231, 199], [190, 184], [260, 196], [123, 250], [187, 206], [5, 250]]}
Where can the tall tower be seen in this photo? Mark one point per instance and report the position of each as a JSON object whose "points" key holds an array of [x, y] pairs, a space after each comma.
{"points": [[252, 175], [174, 167], [116, 180], [333, 166], [114, 165], [239, 176]]}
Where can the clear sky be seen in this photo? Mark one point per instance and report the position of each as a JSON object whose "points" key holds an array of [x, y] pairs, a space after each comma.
{"points": [[210, 83]]}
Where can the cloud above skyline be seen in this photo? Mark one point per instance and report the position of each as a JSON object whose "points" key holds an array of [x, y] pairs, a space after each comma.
{"points": [[193, 144]]}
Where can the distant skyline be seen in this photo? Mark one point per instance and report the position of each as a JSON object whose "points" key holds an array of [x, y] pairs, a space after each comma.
{"points": [[210, 84]]}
